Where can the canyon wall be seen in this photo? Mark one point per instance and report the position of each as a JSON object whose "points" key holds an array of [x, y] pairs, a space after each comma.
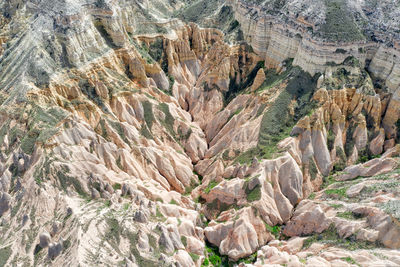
{"points": [[276, 39]]}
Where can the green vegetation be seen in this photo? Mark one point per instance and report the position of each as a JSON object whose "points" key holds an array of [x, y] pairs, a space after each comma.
{"points": [[216, 207], [145, 132], [365, 155], [194, 257], [277, 122], [210, 186], [169, 120], [144, 53], [313, 169], [331, 237], [340, 164], [102, 30], [101, 128], [66, 181], [339, 192], [126, 206], [275, 230], [159, 215], [148, 114], [213, 258], [330, 139], [118, 128], [328, 180], [114, 230], [89, 90], [156, 49], [235, 89], [341, 51], [347, 215], [190, 13], [116, 186], [350, 260], [393, 208], [340, 24], [250, 259], [253, 194], [42, 126], [140, 260], [184, 240], [5, 253], [261, 109], [119, 164], [336, 206], [349, 144], [173, 202]]}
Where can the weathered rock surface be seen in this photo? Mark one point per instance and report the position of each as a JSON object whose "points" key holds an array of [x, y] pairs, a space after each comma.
{"points": [[121, 130]]}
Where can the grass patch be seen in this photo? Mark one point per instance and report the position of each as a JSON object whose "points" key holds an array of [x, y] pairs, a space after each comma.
{"points": [[340, 24], [340, 163], [184, 241], [169, 120], [173, 202], [250, 259], [210, 186], [148, 114], [277, 121], [331, 237], [194, 257], [275, 230], [393, 208], [114, 230], [347, 215], [349, 260], [336, 206], [144, 131], [313, 169], [140, 260], [340, 192], [118, 128], [66, 181], [116, 186], [5, 253], [252, 194]]}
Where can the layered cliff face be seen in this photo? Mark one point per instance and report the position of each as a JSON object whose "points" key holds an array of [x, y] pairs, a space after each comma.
{"points": [[278, 30], [131, 138]]}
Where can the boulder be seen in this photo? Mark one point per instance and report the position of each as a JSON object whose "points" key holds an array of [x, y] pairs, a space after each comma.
{"points": [[308, 218], [44, 239]]}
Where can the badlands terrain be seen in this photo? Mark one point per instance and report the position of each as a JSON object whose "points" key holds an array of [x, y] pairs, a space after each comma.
{"points": [[199, 133]]}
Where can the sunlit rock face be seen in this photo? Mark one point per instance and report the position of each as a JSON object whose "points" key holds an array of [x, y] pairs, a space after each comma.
{"points": [[306, 31], [132, 134]]}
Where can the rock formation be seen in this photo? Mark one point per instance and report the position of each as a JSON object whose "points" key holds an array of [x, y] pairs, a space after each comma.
{"points": [[129, 136]]}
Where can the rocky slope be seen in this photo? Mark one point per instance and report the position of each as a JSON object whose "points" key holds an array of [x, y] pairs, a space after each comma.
{"points": [[131, 137]]}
